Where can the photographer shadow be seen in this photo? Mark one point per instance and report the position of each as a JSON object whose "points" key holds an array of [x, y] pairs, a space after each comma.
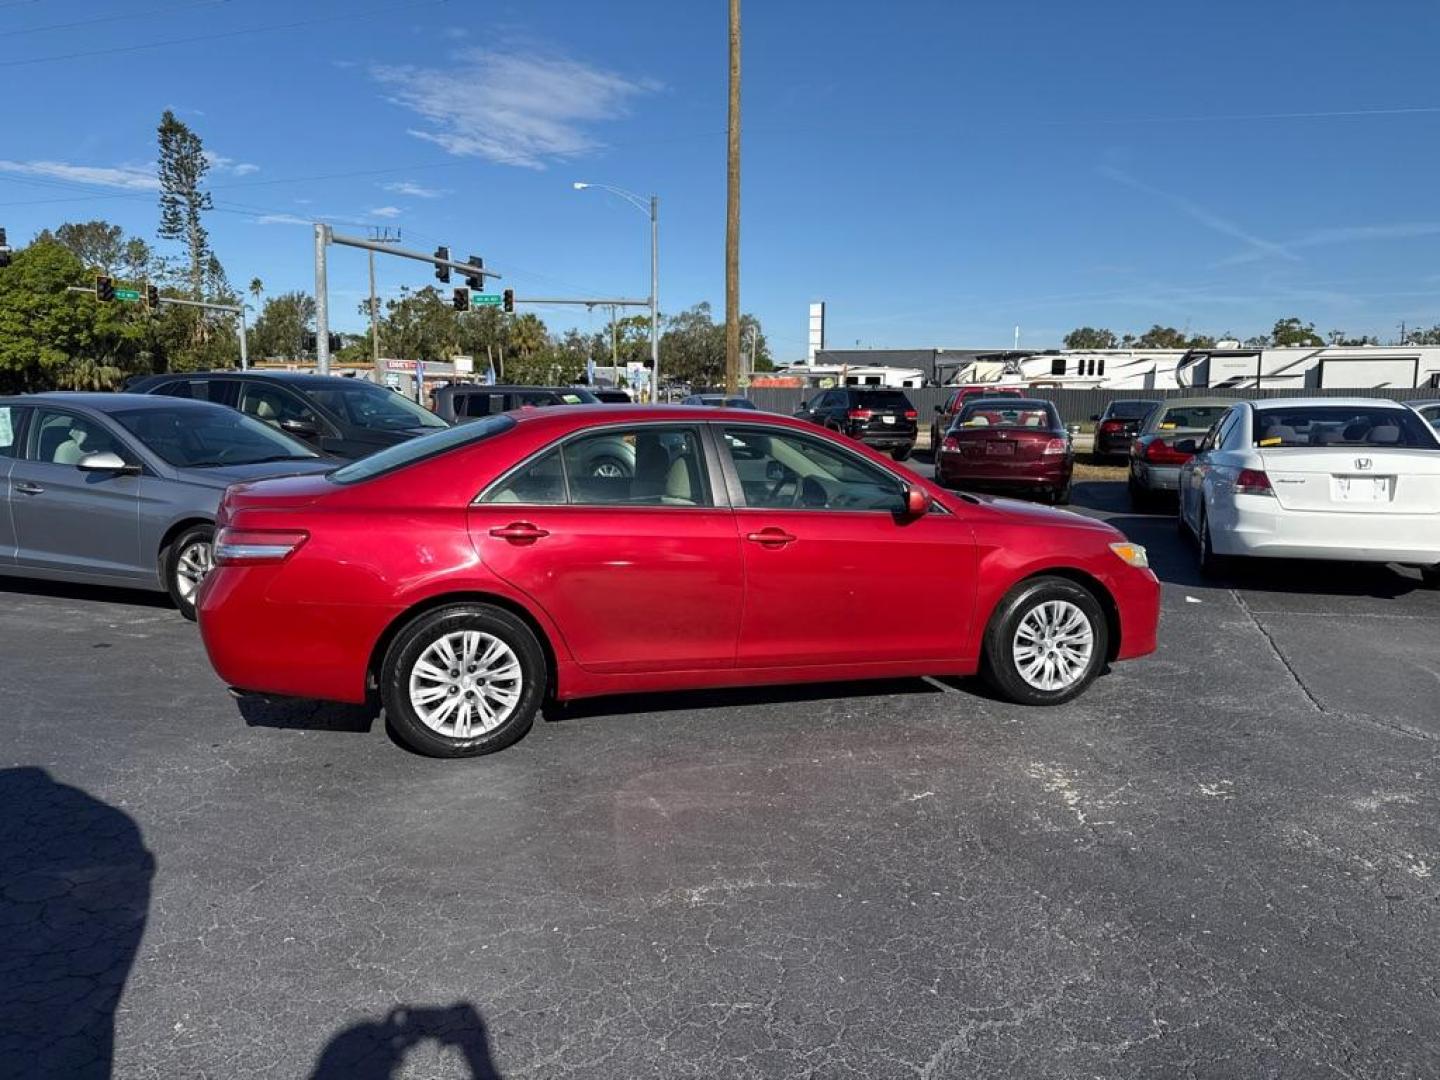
{"points": [[380, 1049]]}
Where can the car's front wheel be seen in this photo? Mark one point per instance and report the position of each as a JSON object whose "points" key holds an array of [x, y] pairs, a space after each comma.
{"points": [[1046, 642], [463, 680], [188, 559]]}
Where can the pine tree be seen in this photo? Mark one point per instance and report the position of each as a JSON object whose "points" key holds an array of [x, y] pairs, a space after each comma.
{"points": [[182, 170]]}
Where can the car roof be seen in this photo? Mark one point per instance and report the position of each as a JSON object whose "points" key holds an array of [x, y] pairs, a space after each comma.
{"points": [[300, 378], [1134, 401], [513, 386], [1318, 402], [107, 403]]}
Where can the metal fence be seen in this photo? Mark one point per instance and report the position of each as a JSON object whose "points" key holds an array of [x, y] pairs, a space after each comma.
{"points": [[1078, 406]]}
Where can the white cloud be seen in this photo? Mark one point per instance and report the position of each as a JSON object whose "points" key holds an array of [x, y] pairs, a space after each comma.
{"points": [[126, 177], [455, 33], [282, 219], [222, 164], [407, 187], [385, 211], [1345, 234], [509, 107]]}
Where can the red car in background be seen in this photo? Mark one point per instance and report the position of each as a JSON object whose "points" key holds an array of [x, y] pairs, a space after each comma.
{"points": [[1013, 443], [471, 574], [946, 413]]}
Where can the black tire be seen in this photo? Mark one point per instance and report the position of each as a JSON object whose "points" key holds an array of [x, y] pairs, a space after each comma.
{"points": [[1140, 499], [901, 454], [1430, 575], [1062, 496], [183, 546], [998, 664], [1211, 564], [419, 635]]}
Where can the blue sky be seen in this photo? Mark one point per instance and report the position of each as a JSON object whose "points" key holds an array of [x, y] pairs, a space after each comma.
{"points": [[936, 172]]}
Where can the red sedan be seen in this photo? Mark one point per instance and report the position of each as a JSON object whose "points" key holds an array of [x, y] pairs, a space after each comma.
{"points": [[469, 574], [1016, 444]]}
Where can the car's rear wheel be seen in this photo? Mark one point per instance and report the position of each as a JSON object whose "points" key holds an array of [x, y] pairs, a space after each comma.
{"points": [[463, 680], [1046, 642], [1430, 575], [901, 453], [1211, 564], [1061, 496], [188, 559]]}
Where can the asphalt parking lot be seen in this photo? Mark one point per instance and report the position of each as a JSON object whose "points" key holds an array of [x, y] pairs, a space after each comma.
{"points": [[1222, 861]]}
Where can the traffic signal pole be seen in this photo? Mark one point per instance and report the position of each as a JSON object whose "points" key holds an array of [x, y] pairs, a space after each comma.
{"points": [[325, 236]]}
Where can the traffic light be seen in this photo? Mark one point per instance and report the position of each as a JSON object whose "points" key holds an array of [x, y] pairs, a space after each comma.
{"points": [[104, 288], [335, 343], [462, 299], [4, 249], [442, 273], [152, 298], [509, 301], [309, 341], [476, 281]]}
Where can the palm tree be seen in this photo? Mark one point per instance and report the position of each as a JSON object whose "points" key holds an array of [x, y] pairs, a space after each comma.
{"points": [[256, 288]]}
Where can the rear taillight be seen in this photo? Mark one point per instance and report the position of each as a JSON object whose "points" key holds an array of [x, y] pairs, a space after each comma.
{"points": [[911, 414], [1056, 446], [1159, 452], [858, 414], [1112, 426], [950, 442], [245, 547], [1253, 482]]}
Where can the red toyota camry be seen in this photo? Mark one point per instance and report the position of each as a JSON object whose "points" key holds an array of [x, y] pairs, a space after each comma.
{"points": [[468, 574]]}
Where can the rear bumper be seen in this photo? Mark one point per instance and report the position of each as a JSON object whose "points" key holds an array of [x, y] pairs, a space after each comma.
{"points": [[1256, 526], [1113, 444], [1156, 477], [885, 440], [953, 468]]}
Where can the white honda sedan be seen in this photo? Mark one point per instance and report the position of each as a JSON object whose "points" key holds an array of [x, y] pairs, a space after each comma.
{"points": [[1316, 478]]}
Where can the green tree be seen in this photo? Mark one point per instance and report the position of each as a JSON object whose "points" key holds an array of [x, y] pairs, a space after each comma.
{"points": [[182, 200], [1162, 337], [1292, 332], [1339, 337], [97, 244], [1415, 337], [52, 339], [280, 329], [1087, 337], [138, 260]]}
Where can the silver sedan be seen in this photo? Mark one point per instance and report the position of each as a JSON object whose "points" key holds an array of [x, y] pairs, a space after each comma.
{"points": [[122, 489]]}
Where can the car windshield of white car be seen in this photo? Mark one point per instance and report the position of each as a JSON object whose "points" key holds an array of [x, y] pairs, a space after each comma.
{"points": [[1341, 425]]}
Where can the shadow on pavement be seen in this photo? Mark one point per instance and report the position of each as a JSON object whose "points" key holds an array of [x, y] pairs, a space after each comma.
{"points": [[740, 696], [74, 894], [381, 1049], [67, 590], [304, 714]]}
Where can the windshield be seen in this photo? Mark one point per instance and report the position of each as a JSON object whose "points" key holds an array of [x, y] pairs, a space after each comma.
{"points": [[198, 438], [1129, 410], [426, 446], [1034, 415], [1341, 425], [882, 399], [367, 405], [1190, 417]]}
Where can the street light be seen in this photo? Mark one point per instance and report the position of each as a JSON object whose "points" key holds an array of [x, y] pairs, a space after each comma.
{"points": [[651, 207]]}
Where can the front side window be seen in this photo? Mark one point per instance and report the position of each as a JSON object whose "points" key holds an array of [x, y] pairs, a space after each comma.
{"points": [[785, 471], [201, 438], [60, 438], [1341, 426], [369, 406]]}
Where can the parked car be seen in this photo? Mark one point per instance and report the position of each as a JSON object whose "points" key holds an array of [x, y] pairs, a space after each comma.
{"points": [[945, 414], [882, 419], [1318, 478], [1010, 443], [1430, 410], [612, 396], [117, 489], [1117, 426], [470, 573], [719, 401], [465, 401], [1155, 459], [343, 417]]}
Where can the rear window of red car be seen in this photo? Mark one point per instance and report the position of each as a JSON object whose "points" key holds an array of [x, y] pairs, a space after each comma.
{"points": [[426, 446]]}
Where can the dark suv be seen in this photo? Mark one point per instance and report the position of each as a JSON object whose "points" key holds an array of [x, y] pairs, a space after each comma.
{"points": [[466, 401], [1117, 426], [884, 419], [348, 418]]}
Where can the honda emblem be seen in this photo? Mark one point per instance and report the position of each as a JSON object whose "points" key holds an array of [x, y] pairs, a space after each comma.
{"points": [[1363, 463]]}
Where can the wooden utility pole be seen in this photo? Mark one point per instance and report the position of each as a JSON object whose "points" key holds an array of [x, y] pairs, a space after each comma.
{"points": [[732, 214]]}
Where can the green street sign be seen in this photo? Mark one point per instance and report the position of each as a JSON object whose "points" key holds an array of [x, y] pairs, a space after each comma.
{"points": [[493, 299], [129, 295]]}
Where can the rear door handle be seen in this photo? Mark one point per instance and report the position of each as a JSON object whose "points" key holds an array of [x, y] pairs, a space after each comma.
{"points": [[519, 532], [771, 537], [27, 488]]}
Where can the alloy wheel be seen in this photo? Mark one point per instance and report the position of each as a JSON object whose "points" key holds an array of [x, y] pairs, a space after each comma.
{"points": [[1053, 645], [465, 683], [196, 561]]}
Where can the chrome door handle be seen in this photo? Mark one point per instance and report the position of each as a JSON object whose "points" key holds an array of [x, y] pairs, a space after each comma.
{"points": [[771, 537], [519, 532], [27, 488]]}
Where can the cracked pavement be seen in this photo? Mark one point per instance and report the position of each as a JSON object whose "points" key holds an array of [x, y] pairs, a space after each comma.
{"points": [[1223, 861]]}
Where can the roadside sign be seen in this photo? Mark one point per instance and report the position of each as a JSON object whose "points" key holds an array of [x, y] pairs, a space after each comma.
{"points": [[406, 366], [131, 296], [392, 380], [486, 298]]}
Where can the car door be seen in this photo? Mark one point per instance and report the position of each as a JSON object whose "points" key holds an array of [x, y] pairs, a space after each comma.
{"points": [[834, 573], [68, 519], [12, 446], [640, 569], [1194, 472]]}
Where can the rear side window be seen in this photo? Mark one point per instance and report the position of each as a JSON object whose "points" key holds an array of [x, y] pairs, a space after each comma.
{"points": [[426, 446], [1341, 426], [10, 431], [541, 483]]}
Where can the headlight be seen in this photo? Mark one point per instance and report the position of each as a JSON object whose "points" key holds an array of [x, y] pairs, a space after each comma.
{"points": [[1133, 554]]}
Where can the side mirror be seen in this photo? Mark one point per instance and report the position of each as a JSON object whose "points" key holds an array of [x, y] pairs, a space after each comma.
{"points": [[1187, 446], [940, 410], [1095, 416], [108, 461], [306, 429], [917, 503]]}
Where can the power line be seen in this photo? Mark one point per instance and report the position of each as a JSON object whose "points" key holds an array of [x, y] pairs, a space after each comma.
{"points": [[126, 16], [219, 36]]}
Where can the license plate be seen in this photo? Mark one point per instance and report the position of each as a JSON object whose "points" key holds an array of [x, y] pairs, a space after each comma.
{"points": [[887, 419], [1362, 488], [1000, 449]]}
